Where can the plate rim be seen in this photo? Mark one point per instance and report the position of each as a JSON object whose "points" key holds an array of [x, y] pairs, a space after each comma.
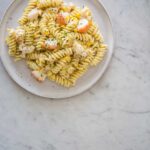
{"points": [[104, 69]]}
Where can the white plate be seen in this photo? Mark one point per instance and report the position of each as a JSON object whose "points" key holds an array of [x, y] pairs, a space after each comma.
{"points": [[21, 74]]}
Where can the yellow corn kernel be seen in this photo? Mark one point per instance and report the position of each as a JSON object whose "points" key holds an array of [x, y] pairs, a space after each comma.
{"points": [[75, 30], [89, 43]]}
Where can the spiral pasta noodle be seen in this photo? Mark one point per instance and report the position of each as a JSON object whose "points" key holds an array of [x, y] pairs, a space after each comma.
{"points": [[24, 19], [58, 79], [86, 38], [29, 39], [11, 42], [61, 64], [33, 65], [57, 40], [49, 3]]}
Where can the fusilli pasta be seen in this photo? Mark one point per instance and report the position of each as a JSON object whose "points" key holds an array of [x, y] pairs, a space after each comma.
{"points": [[57, 40]]}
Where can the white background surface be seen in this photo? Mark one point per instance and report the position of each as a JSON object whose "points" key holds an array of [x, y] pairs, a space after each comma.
{"points": [[113, 115]]}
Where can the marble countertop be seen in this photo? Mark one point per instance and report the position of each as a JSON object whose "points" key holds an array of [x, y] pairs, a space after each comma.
{"points": [[113, 115]]}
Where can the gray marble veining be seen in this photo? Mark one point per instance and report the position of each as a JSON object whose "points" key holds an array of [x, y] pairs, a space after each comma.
{"points": [[113, 115]]}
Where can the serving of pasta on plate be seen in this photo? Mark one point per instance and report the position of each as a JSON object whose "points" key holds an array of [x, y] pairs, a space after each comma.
{"points": [[58, 40]]}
